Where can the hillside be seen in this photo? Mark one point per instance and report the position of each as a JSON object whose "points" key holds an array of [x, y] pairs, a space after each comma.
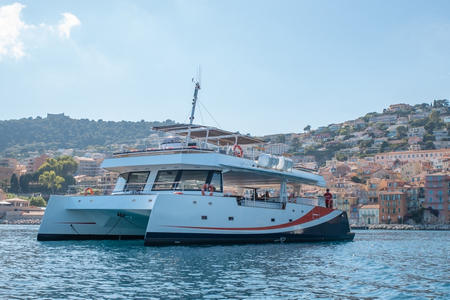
{"points": [[18, 137], [399, 127]]}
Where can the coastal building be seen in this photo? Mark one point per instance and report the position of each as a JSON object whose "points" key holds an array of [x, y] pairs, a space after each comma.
{"points": [[440, 134], [393, 206], [416, 131], [402, 121], [369, 214], [373, 186], [276, 148], [437, 188], [410, 170], [444, 144], [399, 107], [433, 156], [18, 202], [388, 119], [8, 163], [415, 197], [108, 180], [34, 163], [354, 214], [415, 147], [334, 127], [6, 173], [88, 166], [418, 116]]}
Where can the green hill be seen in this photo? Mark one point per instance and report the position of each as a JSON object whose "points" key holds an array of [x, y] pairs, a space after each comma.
{"points": [[17, 137]]}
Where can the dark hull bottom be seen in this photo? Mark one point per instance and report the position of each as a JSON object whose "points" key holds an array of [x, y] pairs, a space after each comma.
{"points": [[157, 239], [80, 237], [336, 229]]}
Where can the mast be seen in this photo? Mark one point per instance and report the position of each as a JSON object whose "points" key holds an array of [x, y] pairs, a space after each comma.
{"points": [[194, 103]]}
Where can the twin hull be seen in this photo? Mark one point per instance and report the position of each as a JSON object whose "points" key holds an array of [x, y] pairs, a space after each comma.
{"points": [[165, 219]]}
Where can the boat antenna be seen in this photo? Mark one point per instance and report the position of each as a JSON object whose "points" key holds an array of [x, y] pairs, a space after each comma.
{"points": [[196, 82]]}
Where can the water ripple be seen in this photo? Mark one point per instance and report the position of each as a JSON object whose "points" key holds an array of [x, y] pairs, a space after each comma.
{"points": [[377, 265]]}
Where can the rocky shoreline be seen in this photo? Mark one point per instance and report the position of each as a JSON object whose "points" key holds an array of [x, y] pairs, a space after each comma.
{"points": [[34, 221], [403, 227]]}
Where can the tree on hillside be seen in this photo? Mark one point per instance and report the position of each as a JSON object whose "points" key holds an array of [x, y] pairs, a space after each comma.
{"points": [[428, 137], [38, 201], [440, 103], [24, 182], [307, 128], [401, 132], [14, 184], [64, 167], [341, 156], [52, 181], [428, 145], [63, 132], [356, 179], [384, 147]]}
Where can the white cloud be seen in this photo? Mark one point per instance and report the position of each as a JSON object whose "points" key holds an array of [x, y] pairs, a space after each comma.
{"points": [[67, 23], [12, 28]]}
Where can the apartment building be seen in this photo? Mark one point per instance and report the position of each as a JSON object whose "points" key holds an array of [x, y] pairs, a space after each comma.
{"points": [[369, 214], [34, 163], [433, 156], [437, 191], [393, 206]]}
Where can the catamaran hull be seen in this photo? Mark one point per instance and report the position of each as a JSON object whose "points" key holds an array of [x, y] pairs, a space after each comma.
{"points": [[169, 219], [336, 229]]}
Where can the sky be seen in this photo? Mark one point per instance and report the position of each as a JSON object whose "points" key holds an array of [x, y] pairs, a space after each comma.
{"points": [[266, 66]]}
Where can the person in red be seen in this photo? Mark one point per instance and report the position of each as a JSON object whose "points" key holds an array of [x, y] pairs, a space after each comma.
{"points": [[328, 199]]}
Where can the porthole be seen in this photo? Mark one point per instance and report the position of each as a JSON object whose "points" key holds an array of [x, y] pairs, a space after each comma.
{"points": [[204, 217], [230, 218], [273, 219]]}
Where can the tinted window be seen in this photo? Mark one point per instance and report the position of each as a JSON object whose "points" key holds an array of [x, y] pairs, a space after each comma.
{"points": [[136, 181], [216, 181], [192, 180], [187, 180], [165, 180]]}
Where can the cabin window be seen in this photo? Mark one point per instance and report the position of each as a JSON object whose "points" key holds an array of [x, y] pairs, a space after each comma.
{"points": [[136, 181], [216, 181], [165, 180], [188, 180], [192, 180]]}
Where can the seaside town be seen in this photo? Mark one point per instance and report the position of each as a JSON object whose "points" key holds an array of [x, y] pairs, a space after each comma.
{"points": [[382, 168]]}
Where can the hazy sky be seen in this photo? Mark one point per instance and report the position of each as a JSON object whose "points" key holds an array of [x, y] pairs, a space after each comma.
{"points": [[267, 66]]}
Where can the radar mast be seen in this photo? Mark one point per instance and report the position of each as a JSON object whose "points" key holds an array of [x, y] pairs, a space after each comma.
{"points": [[196, 82]]}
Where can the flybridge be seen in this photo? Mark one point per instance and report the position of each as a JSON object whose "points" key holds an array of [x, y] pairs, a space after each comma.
{"points": [[209, 134]]}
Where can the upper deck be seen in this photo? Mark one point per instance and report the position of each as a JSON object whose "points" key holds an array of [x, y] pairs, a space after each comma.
{"points": [[238, 169]]}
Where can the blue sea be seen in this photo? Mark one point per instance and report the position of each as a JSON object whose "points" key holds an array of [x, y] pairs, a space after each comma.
{"points": [[376, 265]]}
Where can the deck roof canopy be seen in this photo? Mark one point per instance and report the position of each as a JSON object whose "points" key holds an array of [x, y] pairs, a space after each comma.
{"points": [[212, 135]]}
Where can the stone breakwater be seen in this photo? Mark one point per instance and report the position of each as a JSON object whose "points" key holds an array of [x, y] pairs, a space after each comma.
{"points": [[403, 227], [32, 221]]}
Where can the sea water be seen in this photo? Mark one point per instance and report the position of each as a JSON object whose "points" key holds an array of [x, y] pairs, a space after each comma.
{"points": [[376, 265]]}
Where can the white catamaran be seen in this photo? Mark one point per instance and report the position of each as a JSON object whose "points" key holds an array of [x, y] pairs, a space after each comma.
{"points": [[202, 189]]}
